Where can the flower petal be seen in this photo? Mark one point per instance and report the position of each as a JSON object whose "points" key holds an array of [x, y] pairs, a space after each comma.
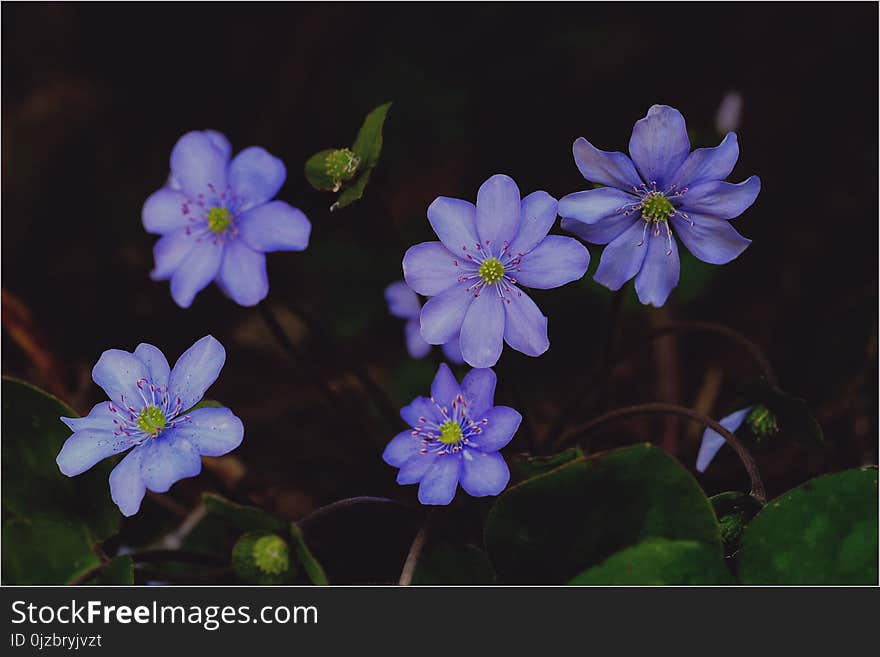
{"points": [[127, 487], [275, 226], [595, 204], [213, 431], [498, 212], [478, 390], [198, 166], [99, 418], [482, 331], [415, 343], [711, 240], [623, 257], [604, 167], [255, 176], [555, 261], [526, 326], [444, 387], [713, 441], [442, 316], [502, 425], [196, 271], [86, 447], [720, 199], [452, 351], [243, 274], [483, 474], [440, 481], [706, 164], [538, 212], [603, 231], [220, 142], [196, 370], [420, 407], [659, 273], [163, 211], [401, 448], [167, 459], [171, 250], [118, 373], [402, 301], [415, 467], [454, 221], [155, 362], [430, 268], [659, 144]]}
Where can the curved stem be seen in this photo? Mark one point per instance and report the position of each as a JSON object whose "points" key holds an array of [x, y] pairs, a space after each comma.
{"points": [[748, 462], [412, 558], [320, 512], [724, 331]]}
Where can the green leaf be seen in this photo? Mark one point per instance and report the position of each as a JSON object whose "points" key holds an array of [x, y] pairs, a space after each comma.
{"points": [[822, 532], [553, 526], [454, 564], [352, 192], [367, 148], [44, 550], [306, 559], [734, 510], [659, 561], [316, 171], [205, 403], [118, 571], [244, 518], [368, 144], [532, 466], [55, 521]]}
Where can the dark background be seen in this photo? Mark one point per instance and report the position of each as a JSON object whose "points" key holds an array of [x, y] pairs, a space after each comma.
{"points": [[94, 97]]}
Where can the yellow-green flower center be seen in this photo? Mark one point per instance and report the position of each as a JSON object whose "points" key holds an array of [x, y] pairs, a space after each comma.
{"points": [[656, 208], [492, 270], [271, 554], [450, 432], [218, 219], [151, 420]]}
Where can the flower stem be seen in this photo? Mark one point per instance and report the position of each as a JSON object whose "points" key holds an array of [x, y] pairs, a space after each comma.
{"points": [[320, 512], [748, 462], [412, 558]]}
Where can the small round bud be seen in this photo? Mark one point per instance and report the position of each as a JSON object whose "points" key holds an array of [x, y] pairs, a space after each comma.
{"points": [[762, 422], [262, 558], [340, 166]]}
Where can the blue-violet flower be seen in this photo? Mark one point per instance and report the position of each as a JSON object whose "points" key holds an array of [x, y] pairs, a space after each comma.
{"points": [[148, 411], [474, 273], [217, 220], [663, 187], [403, 303], [713, 441], [455, 438]]}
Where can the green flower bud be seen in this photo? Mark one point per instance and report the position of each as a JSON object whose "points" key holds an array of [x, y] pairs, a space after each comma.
{"points": [[262, 558], [341, 165], [762, 422]]}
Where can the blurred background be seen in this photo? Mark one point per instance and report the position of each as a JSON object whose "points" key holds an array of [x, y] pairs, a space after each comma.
{"points": [[95, 96]]}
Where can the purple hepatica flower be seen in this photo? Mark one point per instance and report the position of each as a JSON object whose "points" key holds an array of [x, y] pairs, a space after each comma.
{"points": [[663, 187], [713, 441], [147, 411], [217, 220], [455, 438], [404, 304], [474, 272]]}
